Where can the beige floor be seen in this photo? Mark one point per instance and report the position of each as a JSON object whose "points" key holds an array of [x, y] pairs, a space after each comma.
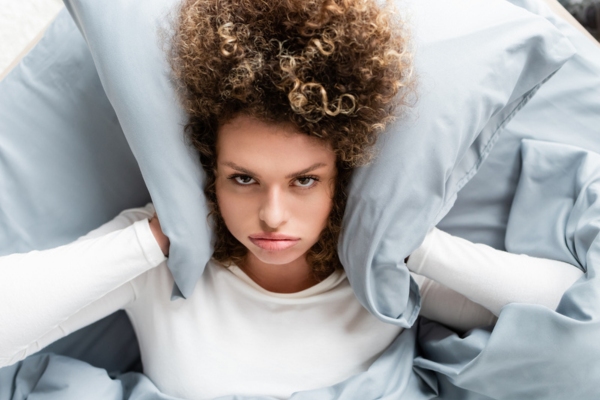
{"points": [[20, 22]]}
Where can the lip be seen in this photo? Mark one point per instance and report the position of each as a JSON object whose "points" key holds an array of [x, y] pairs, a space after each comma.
{"points": [[277, 244], [272, 236]]}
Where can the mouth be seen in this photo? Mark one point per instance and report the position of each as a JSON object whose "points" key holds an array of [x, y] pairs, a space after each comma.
{"points": [[274, 244]]}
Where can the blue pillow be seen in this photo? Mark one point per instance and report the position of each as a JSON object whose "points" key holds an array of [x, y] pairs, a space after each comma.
{"points": [[65, 165], [478, 63]]}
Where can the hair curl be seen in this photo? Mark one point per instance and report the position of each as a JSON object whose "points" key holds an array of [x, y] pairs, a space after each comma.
{"points": [[335, 69]]}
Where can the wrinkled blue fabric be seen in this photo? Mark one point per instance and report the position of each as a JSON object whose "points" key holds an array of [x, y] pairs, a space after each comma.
{"points": [[535, 194], [534, 352], [52, 377]]}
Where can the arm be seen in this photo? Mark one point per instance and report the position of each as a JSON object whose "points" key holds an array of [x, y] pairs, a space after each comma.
{"points": [[45, 295], [444, 305], [488, 277]]}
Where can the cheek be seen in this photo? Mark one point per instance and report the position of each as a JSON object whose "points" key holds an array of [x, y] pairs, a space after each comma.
{"points": [[315, 212], [232, 209]]}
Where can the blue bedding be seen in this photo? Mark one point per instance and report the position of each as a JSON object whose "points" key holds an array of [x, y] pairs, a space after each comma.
{"points": [[532, 352], [54, 377], [537, 193]]}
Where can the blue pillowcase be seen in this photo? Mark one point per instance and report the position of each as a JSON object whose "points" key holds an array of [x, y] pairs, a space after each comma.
{"points": [[65, 165]]}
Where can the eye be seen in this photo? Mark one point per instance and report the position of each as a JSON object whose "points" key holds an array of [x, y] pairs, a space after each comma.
{"points": [[243, 180], [306, 182]]}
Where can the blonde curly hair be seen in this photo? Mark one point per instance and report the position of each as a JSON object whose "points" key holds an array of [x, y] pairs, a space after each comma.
{"points": [[337, 70]]}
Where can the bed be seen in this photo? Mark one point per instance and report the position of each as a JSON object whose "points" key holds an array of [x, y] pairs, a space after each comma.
{"points": [[522, 175]]}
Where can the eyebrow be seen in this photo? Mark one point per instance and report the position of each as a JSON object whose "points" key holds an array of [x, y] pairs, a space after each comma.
{"points": [[292, 175]]}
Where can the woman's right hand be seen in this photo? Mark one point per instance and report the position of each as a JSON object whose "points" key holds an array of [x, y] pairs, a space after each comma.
{"points": [[160, 237]]}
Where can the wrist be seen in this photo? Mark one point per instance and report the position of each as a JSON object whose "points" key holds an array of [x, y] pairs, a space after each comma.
{"points": [[159, 236], [417, 260]]}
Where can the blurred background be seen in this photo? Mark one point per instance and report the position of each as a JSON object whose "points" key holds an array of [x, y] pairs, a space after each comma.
{"points": [[587, 12], [20, 22]]}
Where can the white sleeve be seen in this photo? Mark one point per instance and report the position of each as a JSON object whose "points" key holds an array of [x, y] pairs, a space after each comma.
{"points": [[444, 305], [490, 277], [45, 295]]}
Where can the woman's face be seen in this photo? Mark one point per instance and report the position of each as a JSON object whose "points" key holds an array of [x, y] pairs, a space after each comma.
{"points": [[274, 187]]}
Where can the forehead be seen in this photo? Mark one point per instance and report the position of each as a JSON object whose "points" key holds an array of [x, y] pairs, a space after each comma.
{"points": [[259, 145]]}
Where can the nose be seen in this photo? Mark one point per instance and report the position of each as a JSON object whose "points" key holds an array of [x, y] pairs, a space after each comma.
{"points": [[273, 211]]}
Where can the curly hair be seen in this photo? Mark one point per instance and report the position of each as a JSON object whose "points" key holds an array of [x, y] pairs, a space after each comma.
{"points": [[337, 70]]}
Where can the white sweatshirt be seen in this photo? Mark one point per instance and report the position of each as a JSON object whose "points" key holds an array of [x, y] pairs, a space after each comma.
{"points": [[232, 336]]}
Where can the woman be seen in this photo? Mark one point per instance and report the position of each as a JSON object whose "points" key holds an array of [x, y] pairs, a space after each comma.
{"points": [[285, 99]]}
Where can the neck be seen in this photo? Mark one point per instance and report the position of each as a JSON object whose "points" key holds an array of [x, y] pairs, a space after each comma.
{"points": [[279, 278]]}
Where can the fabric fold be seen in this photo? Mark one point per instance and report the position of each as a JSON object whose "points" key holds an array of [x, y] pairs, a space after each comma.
{"points": [[555, 214]]}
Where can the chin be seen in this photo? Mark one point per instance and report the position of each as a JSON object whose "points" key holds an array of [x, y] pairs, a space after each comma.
{"points": [[277, 258]]}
